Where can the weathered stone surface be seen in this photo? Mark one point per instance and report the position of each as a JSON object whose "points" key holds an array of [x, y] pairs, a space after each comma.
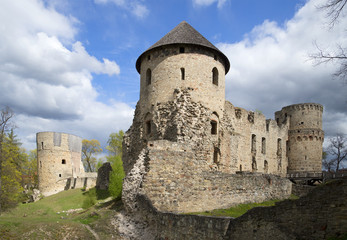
{"points": [[103, 179], [59, 163]]}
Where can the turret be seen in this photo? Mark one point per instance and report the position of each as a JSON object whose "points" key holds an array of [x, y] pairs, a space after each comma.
{"points": [[305, 144], [183, 58], [59, 158]]}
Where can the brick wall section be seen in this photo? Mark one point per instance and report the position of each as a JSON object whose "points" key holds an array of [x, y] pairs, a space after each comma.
{"points": [[321, 214]]}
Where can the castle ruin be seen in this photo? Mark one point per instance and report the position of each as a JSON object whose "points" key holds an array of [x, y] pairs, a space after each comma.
{"points": [[59, 163], [189, 149]]}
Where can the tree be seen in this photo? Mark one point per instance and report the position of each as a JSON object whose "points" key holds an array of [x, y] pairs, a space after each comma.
{"points": [[115, 143], [29, 170], [5, 122], [115, 158], [338, 150], [89, 149], [334, 9]]}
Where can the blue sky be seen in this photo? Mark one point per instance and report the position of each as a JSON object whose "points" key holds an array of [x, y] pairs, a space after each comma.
{"points": [[69, 66]]}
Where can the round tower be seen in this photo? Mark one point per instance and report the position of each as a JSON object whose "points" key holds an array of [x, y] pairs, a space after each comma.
{"points": [[182, 59], [59, 159], [305, 144]]}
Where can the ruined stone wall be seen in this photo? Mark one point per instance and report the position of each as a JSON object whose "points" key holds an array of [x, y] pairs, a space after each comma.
{"points": [[171, 69], [256, 144], [59, 162], [305, 136], [319, 215], [178, 181]]}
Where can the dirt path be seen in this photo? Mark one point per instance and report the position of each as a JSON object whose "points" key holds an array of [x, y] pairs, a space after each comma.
{"points": [[92, 231]]}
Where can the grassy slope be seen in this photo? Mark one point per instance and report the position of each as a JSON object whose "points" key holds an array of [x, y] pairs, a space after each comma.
{"points": [[45, 219]]}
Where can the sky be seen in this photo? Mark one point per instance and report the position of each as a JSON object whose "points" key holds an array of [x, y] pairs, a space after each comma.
{"points": [[69, 66]]}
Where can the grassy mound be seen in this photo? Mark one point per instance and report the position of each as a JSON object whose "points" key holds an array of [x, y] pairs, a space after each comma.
{"points": [[59, 216]]}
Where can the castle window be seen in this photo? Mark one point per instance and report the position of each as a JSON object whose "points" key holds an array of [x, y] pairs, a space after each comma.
{"points": [[215, 76], [305, 157], [277, 120], [216, 155], [181, 49], [240, 167], [63, 161], [254, 165], [59, 175], [311, 138], [149, 57], [148, 127], [279, 147], [302, 123], [148, 76], [266, 166], [215, 57], [267, 125], [263, 145], [299, 139], [182, 74], [253, 143], [41, 145], [213, 127]]}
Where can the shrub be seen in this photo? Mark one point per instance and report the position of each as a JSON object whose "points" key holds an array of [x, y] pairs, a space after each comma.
{"points": [[116, 177], [90, 199]]}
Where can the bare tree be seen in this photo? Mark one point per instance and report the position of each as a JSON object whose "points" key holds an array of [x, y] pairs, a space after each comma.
{"points": [[334, 9], [338, 150], [5, 118]]}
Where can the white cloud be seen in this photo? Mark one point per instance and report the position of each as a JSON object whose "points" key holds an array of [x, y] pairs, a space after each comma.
{"points": [[220, 3], [46, 75], [270, 67], [134, 6]]}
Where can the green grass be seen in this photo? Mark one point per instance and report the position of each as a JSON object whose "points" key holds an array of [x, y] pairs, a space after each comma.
{"points": [[240, 209], [48, 219]]}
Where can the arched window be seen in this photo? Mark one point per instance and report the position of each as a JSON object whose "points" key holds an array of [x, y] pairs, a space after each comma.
{"points": [[215, 76], [182, 74], [148, 76]]}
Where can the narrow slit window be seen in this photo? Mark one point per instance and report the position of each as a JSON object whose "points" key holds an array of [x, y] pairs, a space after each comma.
{"points": [[215, 76], [148, 127], [253, 143], [63, 161], [59, 175], [148, 76], [41, 145], [216, 155], [213, 127], [263, 145], [182, 74]]}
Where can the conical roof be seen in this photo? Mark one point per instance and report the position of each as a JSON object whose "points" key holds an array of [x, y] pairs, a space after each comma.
{"points": [[184, 33]]}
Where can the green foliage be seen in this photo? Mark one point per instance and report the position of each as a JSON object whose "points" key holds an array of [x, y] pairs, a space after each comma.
{"points": [[116, 176], [89, 149], [115, 143]]}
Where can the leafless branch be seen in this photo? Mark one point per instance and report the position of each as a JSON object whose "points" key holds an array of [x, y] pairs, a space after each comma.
{"points": [[333, 10]]}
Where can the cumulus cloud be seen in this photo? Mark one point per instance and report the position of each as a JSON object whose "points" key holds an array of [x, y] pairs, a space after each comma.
{"points": [[270, 67], [134, 6], [220, 3], [46, 75]]}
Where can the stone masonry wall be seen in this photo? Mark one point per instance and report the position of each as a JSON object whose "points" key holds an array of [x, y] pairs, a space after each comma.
{"points": [[178, 181], [322, 214]]}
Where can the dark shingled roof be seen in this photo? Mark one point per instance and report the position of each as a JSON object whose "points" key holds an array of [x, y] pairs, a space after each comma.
{"points": [[183, 33]]}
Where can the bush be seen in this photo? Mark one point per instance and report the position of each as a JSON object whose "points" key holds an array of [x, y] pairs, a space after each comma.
{"points": [[116, 177], [90, 199]]}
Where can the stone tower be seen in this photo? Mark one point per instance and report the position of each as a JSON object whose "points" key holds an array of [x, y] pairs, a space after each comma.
{"points": [[59, 160], [305, 136], [183, 58]]}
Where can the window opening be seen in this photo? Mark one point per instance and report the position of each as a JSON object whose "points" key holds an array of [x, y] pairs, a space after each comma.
{"points": [[266, 166], [148, 127], [216, 155], [279, 147], [213, 127], [240, 167], [181, 49], [182, 74], [254, 164], [215, 76], [59, 175], [41, 145], [253, 143], [215, 57], [63, 161], [149, 76], [263, 145], [267, 125]]}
